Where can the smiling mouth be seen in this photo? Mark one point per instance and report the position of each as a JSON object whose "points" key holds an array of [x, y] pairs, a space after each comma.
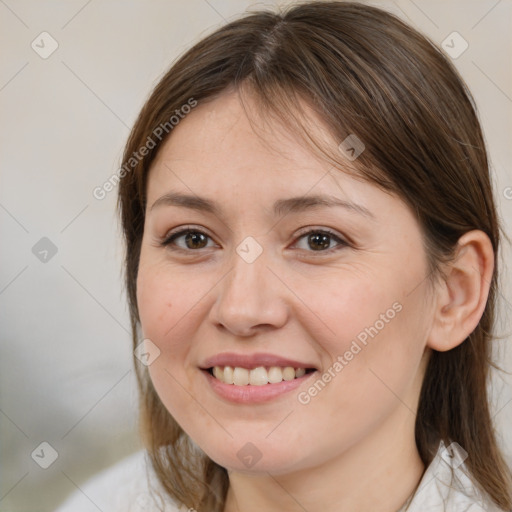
{"points": [[260, 376]]}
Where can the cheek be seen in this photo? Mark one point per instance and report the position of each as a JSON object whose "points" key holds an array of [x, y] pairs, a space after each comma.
{"points": [[171, 309], [157, 300], [161, 305], [375, 336], [344, 310]]}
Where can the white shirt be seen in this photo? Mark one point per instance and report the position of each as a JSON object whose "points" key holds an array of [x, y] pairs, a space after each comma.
{"points": [[130, 485]]}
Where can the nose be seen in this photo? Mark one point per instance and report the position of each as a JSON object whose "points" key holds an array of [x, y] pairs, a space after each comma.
{"points": [[250, 298]]}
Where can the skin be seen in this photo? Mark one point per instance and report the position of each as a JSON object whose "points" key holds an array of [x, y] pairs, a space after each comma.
{"points": [[352, 446]]}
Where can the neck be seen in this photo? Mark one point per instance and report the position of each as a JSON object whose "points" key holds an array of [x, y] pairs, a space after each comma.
{"points": [[378, 473]]}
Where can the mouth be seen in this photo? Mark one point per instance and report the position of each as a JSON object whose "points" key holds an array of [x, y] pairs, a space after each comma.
{"points": [[258, 385], [254, 378], [259, 376]]}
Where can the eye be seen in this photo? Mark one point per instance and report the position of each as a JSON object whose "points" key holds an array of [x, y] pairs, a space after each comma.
{"points": [[319, 240], [192, 238]]}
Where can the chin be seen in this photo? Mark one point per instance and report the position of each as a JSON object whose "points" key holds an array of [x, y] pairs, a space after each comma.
{"points": [[253, 458]]}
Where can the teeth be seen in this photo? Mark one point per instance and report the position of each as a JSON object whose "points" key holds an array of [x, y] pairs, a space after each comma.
{"points": [[289, 373], [240, 376], [227, 375], [275, 374], [259, 376]]}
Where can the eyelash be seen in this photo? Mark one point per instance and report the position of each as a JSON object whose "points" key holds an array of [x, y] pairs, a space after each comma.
{"points": [[168, 241]]}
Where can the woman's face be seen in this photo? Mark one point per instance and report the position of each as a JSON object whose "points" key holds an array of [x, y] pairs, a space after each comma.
{"points": [[341, 289]]}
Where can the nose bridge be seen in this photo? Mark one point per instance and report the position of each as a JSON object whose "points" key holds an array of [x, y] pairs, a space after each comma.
{"points": [[249, 295]]}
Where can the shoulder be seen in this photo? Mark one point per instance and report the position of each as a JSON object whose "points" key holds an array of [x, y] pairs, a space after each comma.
{"points": [[128, 486], [447, 486]]}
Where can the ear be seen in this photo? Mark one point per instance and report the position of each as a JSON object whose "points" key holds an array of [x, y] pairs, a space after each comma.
{"points": [[461, 297]]}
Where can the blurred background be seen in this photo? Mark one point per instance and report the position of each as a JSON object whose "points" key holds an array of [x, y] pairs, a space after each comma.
{"points": [[73, 76]]}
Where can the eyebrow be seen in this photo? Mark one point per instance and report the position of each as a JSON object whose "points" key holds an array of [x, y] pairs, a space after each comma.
{"points": [[281, 206]]}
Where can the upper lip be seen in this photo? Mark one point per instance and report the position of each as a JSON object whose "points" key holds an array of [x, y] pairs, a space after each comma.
{"points": [[252, 361]]}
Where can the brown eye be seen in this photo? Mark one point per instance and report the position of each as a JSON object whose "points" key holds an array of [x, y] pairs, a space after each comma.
{"points": [[320, 241], [193, 239]]}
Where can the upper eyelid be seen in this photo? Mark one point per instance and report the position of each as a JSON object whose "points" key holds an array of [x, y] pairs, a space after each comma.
{"points": [[185, 229]]}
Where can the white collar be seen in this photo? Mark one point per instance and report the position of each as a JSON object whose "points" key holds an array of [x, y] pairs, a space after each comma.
{"points": [[446, 485]]}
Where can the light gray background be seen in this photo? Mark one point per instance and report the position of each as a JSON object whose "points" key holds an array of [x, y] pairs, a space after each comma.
{"points": [[65, 362]]}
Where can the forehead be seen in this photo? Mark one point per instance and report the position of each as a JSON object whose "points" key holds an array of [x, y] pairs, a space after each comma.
{"points": [[223, 143], [226, 130]]}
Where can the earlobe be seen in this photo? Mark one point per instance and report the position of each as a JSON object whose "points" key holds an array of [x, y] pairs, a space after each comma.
{"points": [[460, 297]]}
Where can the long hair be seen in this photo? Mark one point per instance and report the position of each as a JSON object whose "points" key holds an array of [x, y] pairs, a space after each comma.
{"points": [[364, 72]]}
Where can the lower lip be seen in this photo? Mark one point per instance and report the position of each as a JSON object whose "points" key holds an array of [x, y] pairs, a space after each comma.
{"points": [[254, 394]]}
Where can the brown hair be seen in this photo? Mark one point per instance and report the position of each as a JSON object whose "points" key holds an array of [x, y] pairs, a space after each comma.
{"points": [[364, 72]]}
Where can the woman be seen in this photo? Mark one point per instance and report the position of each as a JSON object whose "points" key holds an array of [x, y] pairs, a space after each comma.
{"points": [[311, 270]]}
